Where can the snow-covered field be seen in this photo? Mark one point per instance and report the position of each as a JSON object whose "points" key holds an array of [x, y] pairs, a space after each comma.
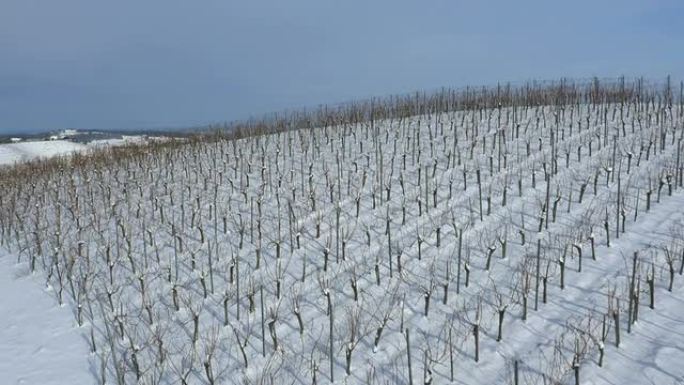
{"points": [[439, 248], [40, 341], [11, 153]]}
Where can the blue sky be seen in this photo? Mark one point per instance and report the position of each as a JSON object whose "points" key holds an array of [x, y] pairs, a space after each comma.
{"points": [[170, 63]]}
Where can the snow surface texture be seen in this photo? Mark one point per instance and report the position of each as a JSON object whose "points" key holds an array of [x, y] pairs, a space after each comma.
{"points": [[40, 343], [200, 263], [11, 153]]}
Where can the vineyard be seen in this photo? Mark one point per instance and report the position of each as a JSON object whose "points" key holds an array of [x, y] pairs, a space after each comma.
{"points": [[528, 234]]}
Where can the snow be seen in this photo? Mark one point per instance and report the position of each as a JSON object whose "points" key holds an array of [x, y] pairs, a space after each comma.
{"points": [[40, 344], [143, 205], [653, 353], [125, 139], [22, 151], [17, 152], [656, 344]]}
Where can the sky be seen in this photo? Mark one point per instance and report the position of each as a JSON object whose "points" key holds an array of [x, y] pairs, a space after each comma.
{"points": [[97, 64]]}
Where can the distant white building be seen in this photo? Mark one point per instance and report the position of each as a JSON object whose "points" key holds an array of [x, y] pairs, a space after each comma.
{"points": [[15, 140], [64, 134]]}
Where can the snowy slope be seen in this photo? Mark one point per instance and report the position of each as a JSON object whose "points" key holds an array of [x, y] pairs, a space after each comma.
{"points": [[11, 153], [654, 351], [221, 261], [18, 152], [40, 344]]}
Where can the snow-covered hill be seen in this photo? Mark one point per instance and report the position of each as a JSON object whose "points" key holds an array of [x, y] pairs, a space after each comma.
{"points": [[475, 246], [40, 341], [11, 153], [21, 151]]}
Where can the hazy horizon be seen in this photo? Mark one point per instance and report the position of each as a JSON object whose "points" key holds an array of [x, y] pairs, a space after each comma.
{"points": [[172, 64]]}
